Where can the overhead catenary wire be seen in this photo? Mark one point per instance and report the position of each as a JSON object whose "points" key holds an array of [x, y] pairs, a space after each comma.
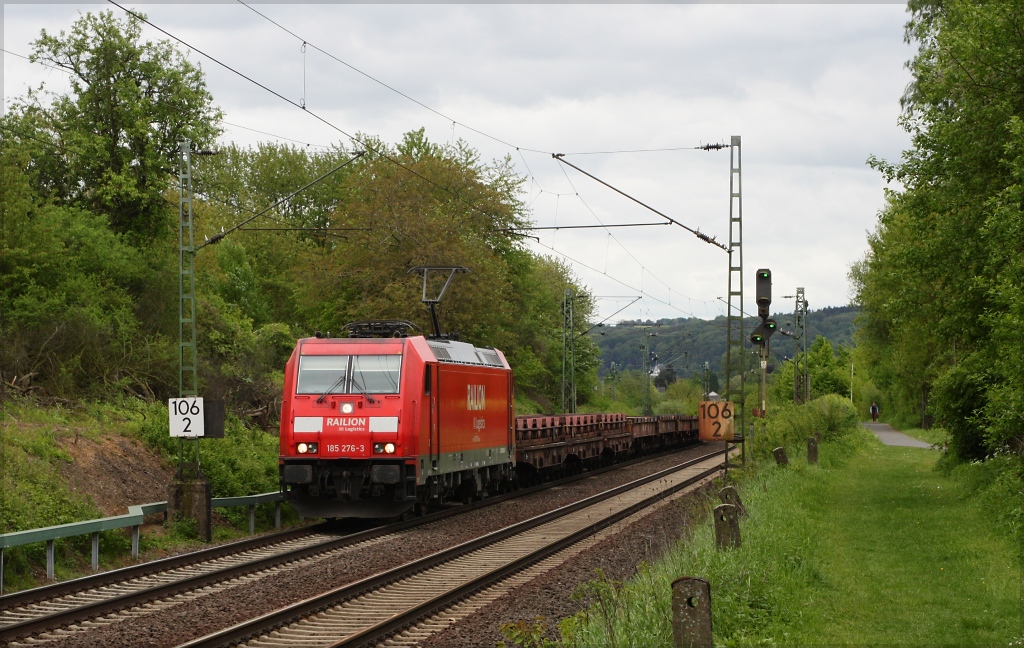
{"points": [[558, 227], [618, 281], [369, 147], [598, 219], [220, 235], [226, 123], [635, 299], [704, 237], [702, 147], [378, 81], [519, 149], [289, 139], [454, 122]]}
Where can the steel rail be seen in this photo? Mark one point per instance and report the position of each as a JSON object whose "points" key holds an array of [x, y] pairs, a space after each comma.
{"points": [[290, 614], [103, 579], [381, 631], [77, 614]]}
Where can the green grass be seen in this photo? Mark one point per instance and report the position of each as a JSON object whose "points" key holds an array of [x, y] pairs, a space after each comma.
{"points": [[934, 436], [873, 546], [35, 494]]}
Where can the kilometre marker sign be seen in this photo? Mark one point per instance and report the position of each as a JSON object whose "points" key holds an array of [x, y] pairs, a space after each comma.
{"points": [[186, 417], [715, 421]]}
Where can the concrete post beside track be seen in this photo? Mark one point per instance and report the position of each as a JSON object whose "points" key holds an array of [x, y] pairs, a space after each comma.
{"points": [[780, 456], [691, 613], [727, 526], [191, 500], [728, 495]]}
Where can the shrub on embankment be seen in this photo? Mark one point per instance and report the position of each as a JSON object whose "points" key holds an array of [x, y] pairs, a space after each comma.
{"points": [[828, 418], [35, 494]]}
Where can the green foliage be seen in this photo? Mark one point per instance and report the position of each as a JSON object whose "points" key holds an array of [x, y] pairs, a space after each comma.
{"points": [[996, 485], [940, 286], [828, 418], [118, 129], [829, 370], [606, 606], [31, 468], [821, 544], [35, 494], [527, 634], [244, 462], [681, 397], [68, 315]]}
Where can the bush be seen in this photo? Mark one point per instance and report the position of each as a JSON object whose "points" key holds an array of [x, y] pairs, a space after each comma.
{"points": [[996, 483], [830, 418], [833, 416], [244, 462]]}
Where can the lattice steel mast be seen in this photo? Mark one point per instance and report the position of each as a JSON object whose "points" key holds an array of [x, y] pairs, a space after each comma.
{"points": [[188, 381], [735, 354], [568, 353]]}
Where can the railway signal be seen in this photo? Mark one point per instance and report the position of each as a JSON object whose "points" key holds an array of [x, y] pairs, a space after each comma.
{"points": [[763, 332], [763, 292]]}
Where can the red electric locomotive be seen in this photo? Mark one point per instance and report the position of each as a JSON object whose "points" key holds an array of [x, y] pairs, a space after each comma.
{"points": [[375, 426]]}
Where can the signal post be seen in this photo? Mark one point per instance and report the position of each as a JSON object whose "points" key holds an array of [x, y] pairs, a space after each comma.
{"points": [[762, 335]]}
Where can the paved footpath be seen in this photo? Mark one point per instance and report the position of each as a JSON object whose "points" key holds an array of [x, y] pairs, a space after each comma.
{"points": [[891, 437]]}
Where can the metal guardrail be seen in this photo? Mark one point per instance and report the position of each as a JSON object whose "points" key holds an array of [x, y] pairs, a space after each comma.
{"points": [[134, 519]]}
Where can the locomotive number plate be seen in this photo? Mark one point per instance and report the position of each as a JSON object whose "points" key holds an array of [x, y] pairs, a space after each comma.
{"points": [[715, 422]]}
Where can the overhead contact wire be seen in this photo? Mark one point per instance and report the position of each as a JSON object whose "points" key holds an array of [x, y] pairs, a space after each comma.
{"points": [[619, 281], [598, 219], [378, 81], [366, 145], [704, 237]]}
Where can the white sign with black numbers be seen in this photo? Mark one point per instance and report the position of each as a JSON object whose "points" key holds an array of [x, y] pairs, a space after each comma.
{"points": [[186, 417]]}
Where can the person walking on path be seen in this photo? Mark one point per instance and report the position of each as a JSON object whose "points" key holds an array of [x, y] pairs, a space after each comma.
{"points": [[874, 412]]}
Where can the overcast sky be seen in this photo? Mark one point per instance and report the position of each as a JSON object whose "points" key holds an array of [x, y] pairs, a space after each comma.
{"points": [[812, 90]]}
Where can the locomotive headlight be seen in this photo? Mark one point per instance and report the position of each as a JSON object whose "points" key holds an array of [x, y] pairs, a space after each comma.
{"points": [[384, 448], [389, 448], [302, 448], [346, 408]]}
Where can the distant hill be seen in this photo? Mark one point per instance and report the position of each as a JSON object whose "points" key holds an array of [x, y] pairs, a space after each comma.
{"points": [[687, 343]]}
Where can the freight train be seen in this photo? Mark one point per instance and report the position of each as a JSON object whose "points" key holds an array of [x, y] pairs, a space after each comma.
{"points": [[381, 423]]}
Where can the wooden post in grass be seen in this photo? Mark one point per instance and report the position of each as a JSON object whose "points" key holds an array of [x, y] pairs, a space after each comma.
{"points": [[780, 456], [728, 495], [691, 613], [812, 450], [727, 526]]}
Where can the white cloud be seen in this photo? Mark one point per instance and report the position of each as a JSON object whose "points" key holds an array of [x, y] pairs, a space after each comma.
{"points": [[812, 89]]}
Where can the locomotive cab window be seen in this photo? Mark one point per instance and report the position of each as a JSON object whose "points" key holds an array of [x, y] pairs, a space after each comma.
{"points": [[376, 374], [344, 374], [322, 374]]}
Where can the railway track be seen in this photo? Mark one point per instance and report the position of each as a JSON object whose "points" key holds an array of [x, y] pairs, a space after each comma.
{"points": [[92, 602], [374, 608]]}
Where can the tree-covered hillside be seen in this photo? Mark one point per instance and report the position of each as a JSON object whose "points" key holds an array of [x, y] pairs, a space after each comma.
{"points": [[687, 343]]}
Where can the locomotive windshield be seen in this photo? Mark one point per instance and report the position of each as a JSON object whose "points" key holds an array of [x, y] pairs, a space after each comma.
{"points": [[343, 374]]}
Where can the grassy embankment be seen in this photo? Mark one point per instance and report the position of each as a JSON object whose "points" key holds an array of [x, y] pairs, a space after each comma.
{"points": [[875, 545], [33, 442]]}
